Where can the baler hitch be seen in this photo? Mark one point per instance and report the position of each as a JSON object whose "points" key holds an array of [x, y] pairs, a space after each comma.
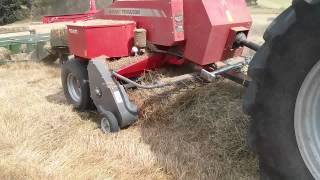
{"points": [[232, 65], [241, 39]]}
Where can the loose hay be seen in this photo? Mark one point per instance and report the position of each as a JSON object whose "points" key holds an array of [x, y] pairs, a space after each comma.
{"points": [[8, 29], [117, 64], [195, 133], [4, 54], [59, 37], [21, 57]]}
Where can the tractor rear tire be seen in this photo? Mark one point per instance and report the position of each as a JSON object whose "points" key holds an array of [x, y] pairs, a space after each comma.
{"points": [[75, 82], [278, 71]]}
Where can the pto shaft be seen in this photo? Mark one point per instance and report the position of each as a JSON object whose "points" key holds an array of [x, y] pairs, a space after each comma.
{"points": [[241, 39]]}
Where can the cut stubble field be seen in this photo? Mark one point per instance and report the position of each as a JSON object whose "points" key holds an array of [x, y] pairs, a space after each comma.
{"points": [[194, 134]]}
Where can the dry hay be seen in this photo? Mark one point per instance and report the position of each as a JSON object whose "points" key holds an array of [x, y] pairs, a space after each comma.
{"points": [[21, 57], [189, 133], [116, 64], [59, 37], [8, 29], [4, 54]]}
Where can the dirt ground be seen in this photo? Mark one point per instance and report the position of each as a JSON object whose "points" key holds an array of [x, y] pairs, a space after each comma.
{"points": [[192, 133]]}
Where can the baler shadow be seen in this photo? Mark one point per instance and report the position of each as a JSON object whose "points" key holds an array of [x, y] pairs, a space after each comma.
{"points": [[200, 134], [57, 98]]}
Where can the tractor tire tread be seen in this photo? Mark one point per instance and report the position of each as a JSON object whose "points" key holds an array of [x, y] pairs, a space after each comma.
{"points": [[269, 100]]}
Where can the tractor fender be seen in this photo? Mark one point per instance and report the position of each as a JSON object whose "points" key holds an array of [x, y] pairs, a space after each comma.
{"points": [[286, 19], [281, 24], [312, 1], [307, 1]]}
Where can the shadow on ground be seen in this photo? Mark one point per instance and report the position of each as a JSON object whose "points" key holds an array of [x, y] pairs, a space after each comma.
{"points": [[57, 98], [200, 133]]}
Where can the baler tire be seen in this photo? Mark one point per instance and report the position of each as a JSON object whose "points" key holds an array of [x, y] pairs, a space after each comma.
{"points": [[278, 70], [78, 69], [50, 59], [109, 123]]}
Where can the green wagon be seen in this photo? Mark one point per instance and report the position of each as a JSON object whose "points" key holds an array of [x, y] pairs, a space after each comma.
{"points": [[25, 43]]}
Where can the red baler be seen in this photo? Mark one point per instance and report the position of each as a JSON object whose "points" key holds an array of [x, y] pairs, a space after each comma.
{"points": [[207, 34]]}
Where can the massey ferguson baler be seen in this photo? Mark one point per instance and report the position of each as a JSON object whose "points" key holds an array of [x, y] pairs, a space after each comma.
{"points": [[207, 35]]}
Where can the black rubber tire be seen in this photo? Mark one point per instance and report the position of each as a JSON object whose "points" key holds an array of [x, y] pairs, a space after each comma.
{"points": [[50, 59], [278, 70], [79, 69], [109, 123], [63, 59]]}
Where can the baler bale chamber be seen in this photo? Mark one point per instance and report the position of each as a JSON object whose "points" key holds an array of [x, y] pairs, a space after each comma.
{"points": [[142, 35]]}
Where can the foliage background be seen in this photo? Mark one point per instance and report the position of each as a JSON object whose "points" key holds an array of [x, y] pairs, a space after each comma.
{"points": [[13, 10]]}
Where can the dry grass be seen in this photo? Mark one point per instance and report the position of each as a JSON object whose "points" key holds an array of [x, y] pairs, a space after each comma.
{"points": [[192, 134], [4, 53]]}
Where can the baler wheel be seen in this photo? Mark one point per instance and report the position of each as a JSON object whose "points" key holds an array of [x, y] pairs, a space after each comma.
{"points": [[50, 59], [109, 123], [282, 92], [74, 76]]}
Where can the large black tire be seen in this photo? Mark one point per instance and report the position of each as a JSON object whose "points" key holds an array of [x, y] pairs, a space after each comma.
{"points": [[278, 71], [50, 59], [77, 69]]}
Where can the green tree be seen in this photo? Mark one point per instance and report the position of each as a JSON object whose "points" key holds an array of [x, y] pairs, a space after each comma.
{"points": [[13, 10], [9, 11]]}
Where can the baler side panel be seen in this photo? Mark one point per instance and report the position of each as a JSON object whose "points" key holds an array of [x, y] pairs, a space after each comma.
{"points": [[107, 42], [178, 16], [156, 16], [196, 30], [111, 38], [76, 38], [208, 25]]}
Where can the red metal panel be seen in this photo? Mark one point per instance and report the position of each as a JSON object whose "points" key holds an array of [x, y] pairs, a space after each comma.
{"points": [[76, 40], [68, 17], [112, 39], [163, 19], [207, 27]]}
